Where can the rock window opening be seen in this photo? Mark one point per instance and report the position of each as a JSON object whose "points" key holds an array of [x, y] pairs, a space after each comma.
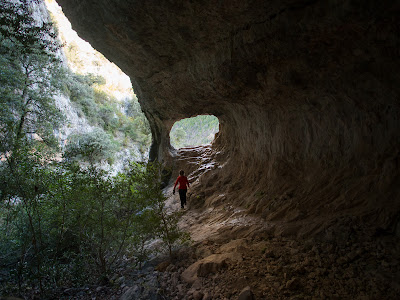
{"points": [[196, 131]]}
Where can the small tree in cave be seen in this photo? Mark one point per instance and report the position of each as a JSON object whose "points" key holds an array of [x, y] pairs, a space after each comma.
{"points": [[146, 189]]}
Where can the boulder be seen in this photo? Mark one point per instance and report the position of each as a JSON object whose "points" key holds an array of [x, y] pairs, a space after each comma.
{"points": [[246, 294], [208, 265], [162, 267], [238, 245]]}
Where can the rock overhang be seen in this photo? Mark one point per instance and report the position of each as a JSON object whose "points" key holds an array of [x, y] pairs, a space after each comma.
{"points": [[305, 91]]}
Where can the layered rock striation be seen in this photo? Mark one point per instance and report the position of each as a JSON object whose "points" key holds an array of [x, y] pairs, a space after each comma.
{"points": [[306, 92]]}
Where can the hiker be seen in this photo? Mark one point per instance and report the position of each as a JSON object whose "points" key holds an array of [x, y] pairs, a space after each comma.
{"points": [[183, 181]]}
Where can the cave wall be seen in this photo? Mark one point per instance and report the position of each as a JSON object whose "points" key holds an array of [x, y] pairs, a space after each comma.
{"points": [[307, 94]]}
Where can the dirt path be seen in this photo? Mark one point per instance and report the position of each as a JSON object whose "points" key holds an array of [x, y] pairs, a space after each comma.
{"points": [[235, 255], [233, 258]]}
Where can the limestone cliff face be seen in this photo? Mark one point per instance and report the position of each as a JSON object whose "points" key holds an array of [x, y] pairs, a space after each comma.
{"points": [[307, 94]]}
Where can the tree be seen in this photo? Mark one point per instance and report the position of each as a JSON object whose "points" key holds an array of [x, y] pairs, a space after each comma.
{"points": [[91, 147], [178, 138], [30, 75], [104, 220]]}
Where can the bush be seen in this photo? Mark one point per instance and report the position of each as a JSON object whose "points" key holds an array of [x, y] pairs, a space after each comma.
{"points": [[61, 225], [68, 226], [146, 188], [92, 147]]}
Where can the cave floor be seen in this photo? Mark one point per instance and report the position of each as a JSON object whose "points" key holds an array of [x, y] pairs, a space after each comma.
{"points": [[274, 267]]}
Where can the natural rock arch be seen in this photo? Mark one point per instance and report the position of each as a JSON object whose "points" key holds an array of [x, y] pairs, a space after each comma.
{"points": [[306, 94]]}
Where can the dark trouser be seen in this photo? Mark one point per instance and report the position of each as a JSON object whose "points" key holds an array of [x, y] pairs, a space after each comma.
{"points": [[182, 195]]}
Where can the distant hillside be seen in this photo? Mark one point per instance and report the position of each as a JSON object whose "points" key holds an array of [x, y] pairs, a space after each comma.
{"points": [[194, 131], [98, 96]]}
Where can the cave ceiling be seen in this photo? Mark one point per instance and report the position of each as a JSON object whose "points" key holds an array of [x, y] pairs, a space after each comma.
{"points": [[302, 89]]}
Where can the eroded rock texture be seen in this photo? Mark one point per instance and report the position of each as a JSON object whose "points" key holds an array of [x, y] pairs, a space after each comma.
{"points": [[307, 94]]}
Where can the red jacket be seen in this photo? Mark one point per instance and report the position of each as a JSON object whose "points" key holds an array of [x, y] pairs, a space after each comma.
{"points": [[182, 182]]}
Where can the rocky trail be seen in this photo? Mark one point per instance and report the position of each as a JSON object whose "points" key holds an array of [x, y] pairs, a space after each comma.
{"points": [[234, 256], [263, 268], [253, 266]]}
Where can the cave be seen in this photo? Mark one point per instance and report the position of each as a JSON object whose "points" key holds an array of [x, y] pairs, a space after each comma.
{"points": [[306, 92]]}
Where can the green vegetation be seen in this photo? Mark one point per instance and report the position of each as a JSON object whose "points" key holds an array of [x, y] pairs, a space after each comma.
{"points": [[195, 131], [91, 147], [29, 77], [61, 224], [124, 121], [146, 190], [72, 53]]}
